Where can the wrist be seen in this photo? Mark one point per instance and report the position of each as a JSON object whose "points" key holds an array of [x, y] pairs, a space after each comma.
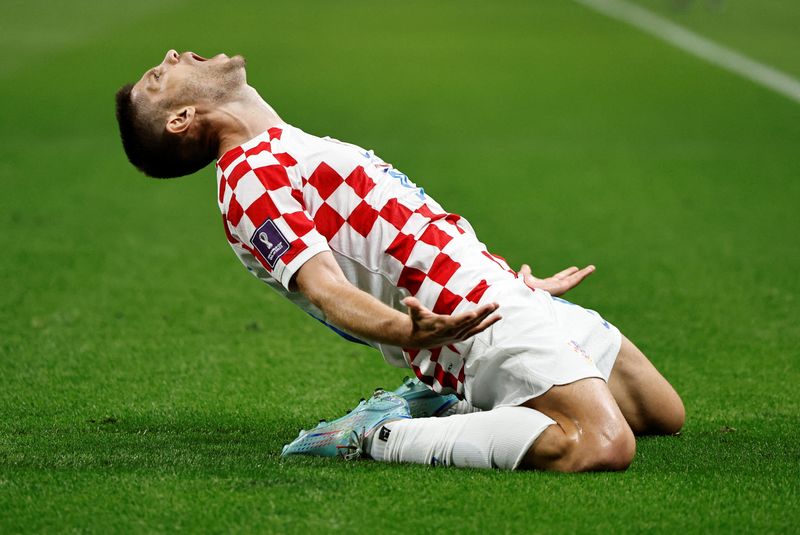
{"points": [[404, 332]]}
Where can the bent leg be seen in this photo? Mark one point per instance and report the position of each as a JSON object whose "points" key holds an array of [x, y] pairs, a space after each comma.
{"points": [[647, 400], [590, 432], [498, 438]]}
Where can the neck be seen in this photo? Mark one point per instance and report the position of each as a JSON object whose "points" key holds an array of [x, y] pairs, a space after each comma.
{"points": [[242, 119]]}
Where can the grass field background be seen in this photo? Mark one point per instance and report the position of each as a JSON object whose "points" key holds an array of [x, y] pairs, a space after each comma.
{"points": [[148, 382]]}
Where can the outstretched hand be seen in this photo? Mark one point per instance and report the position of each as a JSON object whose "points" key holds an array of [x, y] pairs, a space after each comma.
{"points": [[435, 330], [558, 284]]}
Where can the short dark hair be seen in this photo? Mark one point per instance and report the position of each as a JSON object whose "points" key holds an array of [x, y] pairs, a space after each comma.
{"points": [[154, 151]]}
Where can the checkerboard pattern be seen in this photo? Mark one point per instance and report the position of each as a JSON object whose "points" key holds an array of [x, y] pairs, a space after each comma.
{"points": [[389, 237]]}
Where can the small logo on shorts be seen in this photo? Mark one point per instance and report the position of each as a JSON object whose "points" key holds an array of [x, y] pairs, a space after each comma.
{"points": [[270, 242], [579, 350], [384, 434]]}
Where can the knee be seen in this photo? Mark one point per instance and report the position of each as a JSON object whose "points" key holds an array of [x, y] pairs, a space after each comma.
{"points": [[669, 419], [673, 419], [677, 417], [601, 451], [610, 450]]}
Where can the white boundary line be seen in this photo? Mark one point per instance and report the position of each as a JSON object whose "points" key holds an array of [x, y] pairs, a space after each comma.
{"points": [[701, 47]]}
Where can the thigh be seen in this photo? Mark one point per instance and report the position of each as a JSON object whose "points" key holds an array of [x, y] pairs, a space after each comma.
{"points": [[645, 397]]}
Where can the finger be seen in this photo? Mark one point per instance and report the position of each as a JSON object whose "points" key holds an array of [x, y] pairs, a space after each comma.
{"points": [[411, 302], [483, 311], [527, 275], [459, 330], [565, 273], [485, 324], [415, 308], [578, 276], [467, 323], [475, 318], [566, 284]]}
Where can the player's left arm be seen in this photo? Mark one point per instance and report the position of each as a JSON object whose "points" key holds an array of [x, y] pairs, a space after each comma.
{"points": [[558, 284]]}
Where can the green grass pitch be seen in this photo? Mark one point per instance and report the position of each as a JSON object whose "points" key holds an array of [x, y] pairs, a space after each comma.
{"points": [[148, 382]]}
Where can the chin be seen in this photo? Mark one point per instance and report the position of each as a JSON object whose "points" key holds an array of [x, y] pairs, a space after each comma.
{"points": [[239, 64]]}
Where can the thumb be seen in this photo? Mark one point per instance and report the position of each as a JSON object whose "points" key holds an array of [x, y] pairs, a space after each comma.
{"points": [[413, 304], [415, 308]]}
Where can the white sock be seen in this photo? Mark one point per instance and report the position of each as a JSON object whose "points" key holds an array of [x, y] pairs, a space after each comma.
{"points": [[462, 407], [491, 439]]}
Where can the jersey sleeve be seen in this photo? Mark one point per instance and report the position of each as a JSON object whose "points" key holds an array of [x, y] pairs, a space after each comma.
{"points": [[266, 215]]}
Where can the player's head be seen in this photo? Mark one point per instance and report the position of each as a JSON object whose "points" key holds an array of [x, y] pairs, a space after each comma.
{"points": [[165, 118]]}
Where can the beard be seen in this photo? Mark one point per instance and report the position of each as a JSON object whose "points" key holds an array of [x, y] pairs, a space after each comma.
{"points": [[215, 81]]}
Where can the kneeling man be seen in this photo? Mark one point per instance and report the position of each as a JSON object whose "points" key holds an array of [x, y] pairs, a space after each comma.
{"points": [[356, 244]]}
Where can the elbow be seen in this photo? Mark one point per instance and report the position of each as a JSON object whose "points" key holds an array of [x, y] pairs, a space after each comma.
{"points": [[311, 293], [316, 299], [321, 282]]}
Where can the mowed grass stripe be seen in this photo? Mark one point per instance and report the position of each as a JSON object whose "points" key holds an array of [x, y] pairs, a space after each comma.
{"points": [[700, 46]]}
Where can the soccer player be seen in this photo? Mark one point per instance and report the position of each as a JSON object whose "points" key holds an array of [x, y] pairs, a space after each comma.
{"points": [[356, 244]]}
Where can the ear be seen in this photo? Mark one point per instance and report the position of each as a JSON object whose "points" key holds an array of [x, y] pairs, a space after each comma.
{"points": [[180, 121]]}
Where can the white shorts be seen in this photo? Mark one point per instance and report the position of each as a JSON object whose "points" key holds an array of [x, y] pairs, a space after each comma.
{"points": [[542, 341]]}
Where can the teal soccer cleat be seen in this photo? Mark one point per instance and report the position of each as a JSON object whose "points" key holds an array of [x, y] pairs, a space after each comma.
{"points": [[422, 401], [345, 437]]}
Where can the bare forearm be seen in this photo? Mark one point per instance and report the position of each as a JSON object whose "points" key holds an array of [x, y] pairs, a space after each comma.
{"points": [[356, 311], [321, 280]]}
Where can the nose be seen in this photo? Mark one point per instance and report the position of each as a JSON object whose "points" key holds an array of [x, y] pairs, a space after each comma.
{"points": [[171, 57]]}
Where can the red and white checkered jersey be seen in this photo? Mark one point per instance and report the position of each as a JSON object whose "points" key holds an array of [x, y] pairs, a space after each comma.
{"points": [[286, 196]]}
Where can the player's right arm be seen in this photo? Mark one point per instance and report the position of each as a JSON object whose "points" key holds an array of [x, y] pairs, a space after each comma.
{"points": [[266, 216], [321, 280]]}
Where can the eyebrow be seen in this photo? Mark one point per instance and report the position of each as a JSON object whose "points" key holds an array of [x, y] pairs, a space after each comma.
{"points": [[148, 76]]}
